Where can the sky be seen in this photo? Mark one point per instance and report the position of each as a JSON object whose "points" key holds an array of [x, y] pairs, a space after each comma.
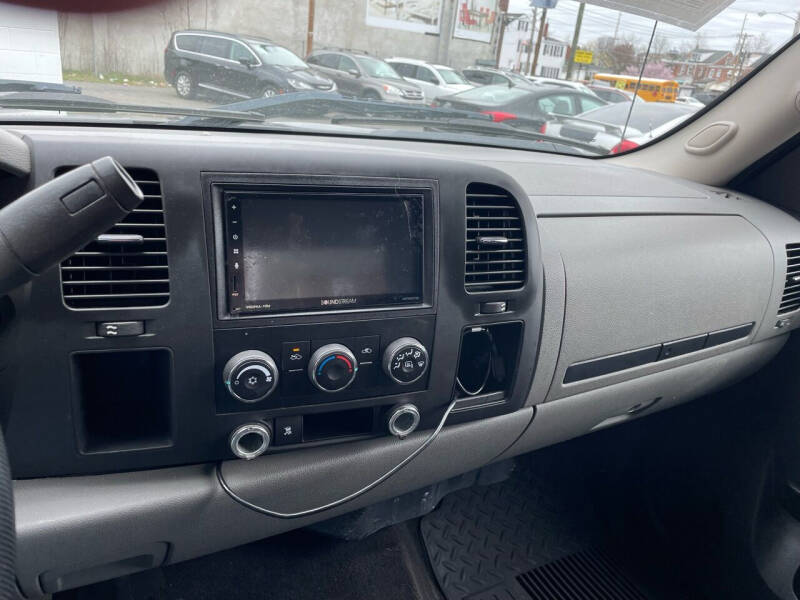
{"points": [[721, 33]]}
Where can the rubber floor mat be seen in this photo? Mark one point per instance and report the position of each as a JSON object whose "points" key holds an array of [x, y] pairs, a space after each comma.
{"points": [[481, 538]]}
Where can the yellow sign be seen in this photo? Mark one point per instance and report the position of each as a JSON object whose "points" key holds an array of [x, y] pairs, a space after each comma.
{"points": [[584, 56]]}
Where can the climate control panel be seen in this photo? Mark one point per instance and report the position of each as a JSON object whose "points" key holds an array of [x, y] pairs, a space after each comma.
{"points": [[285, 367]]}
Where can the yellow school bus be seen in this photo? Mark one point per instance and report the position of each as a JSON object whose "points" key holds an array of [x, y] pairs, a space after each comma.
{"points": [[652, 90]]}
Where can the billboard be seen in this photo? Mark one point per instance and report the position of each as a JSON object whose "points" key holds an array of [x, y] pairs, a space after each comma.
{"points": [[421, 16], [475, 19]]}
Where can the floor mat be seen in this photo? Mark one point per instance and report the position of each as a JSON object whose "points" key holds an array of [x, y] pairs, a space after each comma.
{"points": [[481, 538], [559, 528]]}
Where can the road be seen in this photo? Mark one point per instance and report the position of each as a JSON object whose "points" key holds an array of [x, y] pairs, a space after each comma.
{"points": [[138, 94]]}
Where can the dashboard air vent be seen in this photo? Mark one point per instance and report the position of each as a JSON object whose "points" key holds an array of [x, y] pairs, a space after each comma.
{"points": [[127, 266], [495, 248], [791, 287]]}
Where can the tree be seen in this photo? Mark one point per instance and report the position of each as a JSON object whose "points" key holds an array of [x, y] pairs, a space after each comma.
{"points": [[613, 56], [655, 70]]}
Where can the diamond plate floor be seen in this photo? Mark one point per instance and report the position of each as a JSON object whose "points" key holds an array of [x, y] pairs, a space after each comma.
{"points": [[480, 538]]}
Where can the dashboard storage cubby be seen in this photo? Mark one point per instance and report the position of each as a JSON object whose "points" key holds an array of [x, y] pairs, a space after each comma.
{"points": [[122, 400], [487, 362]]}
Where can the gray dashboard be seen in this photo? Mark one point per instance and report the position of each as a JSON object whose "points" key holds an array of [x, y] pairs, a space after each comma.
{"points": [[621, 261]]}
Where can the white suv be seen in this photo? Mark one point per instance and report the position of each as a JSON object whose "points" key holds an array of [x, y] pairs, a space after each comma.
{"points": [[435, 80]]}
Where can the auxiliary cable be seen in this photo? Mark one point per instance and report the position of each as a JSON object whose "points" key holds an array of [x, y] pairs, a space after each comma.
{"points": [[340, 501]]}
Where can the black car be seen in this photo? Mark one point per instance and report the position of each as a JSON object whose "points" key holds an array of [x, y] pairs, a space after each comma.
{"points": [[489, 76], [241, 66], [536, 103]]}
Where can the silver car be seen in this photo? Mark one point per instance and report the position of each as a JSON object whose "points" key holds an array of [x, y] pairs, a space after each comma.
{"points": [[435, 80], [363, 76]]}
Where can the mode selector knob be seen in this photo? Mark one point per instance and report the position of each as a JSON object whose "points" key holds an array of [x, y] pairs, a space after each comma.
{"points": [[250, 376], [332, 368], [405, 360]]}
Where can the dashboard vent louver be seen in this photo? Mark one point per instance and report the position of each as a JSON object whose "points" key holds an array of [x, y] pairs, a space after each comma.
{"points": [[791, 287], [115, 272], [495, 243]]}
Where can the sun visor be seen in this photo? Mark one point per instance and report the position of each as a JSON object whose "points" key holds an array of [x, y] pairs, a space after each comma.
{"points": [[689, 14]]}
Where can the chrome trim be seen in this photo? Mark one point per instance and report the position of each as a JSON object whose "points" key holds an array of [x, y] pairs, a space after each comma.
{"points": [[214, 88], [238, 434], [399, 411], [219, 37]]}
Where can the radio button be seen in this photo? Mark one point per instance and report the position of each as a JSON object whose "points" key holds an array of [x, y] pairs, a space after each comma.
{"points": [[294, 355], [366, 348]]}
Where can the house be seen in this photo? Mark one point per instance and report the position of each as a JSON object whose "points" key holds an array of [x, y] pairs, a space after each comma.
{"points": [[515, 54], [553, 59], [703, 66], [517, 51]]}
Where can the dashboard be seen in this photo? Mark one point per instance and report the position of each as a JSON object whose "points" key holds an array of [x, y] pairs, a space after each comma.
{"points": [[304, 310]]}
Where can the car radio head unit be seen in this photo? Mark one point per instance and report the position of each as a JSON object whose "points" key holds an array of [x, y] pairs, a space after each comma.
{"points": [[291, 252]]}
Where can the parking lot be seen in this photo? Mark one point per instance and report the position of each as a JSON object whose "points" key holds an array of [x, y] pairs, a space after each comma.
{"points": [[150, 95]]}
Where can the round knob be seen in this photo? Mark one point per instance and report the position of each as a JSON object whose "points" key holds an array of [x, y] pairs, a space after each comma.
{"points": [[405, 360], [250, 376], [332, 368], [402, 420], [250, 440]]}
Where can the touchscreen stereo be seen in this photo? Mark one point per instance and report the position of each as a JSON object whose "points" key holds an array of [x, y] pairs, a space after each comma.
{"points": [[290, 251]]}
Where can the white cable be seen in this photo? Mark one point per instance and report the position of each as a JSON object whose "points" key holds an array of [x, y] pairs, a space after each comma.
{"points": [[340, 501]]}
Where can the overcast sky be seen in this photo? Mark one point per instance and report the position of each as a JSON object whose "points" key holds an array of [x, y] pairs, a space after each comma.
{"points": [[720, 33]]}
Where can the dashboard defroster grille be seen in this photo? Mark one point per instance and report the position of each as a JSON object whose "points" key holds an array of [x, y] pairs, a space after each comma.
{"points": [[127, 266], [791, 288], [495, 257]]}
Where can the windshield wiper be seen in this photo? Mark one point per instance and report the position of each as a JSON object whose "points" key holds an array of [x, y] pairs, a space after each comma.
{"points": [[82, 103]]}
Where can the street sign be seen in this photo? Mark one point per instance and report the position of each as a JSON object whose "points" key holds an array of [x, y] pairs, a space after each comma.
{"points": [[584, 56], [543, 3]]}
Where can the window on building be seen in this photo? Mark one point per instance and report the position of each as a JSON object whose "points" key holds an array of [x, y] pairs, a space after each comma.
{"points": [[551, 72]]}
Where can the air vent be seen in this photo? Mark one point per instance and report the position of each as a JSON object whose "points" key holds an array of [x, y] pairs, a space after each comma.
{"points": [[791, 287], [115, 272], [495, 248]]}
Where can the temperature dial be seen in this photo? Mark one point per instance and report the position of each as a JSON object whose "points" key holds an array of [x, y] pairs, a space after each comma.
{"points": [[332, 368], [405, 360], [250, 376]]}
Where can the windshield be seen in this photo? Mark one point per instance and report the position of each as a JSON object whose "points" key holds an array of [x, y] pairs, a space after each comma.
{"points": [[644, 117], [451, 76], [201, 63], [278, 56], [377, 68]]}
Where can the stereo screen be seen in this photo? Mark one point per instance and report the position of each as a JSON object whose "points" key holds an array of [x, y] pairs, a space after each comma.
{"points": [[329, 252]]}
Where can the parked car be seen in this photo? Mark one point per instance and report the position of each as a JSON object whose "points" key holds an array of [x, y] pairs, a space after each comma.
{"points": [[611, 94], [363, 76], [435, 80], [505, 103], [603, 127], [241, 66], [690, 101], [489, 76], [573, 85]]}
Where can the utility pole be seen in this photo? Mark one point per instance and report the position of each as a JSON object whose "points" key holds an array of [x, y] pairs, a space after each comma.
{"points": [[616, 29], [542, 24], [740, 50], [530, 43], [575, 38], [503, 14], [310, 31]]}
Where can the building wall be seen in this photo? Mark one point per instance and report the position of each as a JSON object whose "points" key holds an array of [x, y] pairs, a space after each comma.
{"points": [[133, 41], [516, 45], [29, 46], [552, 59]]}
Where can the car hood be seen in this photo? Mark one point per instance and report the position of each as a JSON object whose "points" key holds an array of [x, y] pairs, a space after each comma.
{"points": [[398, 83], [457, 87]]}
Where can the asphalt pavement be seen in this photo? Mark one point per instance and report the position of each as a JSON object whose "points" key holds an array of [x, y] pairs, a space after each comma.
{"points": [[147, 95]]}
